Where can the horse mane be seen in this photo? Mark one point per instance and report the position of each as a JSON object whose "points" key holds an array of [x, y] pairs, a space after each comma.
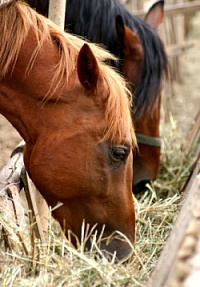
{"points": [[100, 16], [17, 19]]}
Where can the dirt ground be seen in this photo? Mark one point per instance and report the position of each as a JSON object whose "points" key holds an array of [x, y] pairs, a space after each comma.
{"points": [[184, 104]]}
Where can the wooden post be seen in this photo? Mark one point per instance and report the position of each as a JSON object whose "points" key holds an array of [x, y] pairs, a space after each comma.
{"points": [[11, 202], [4, 3], [172, 267], [57, 12]]}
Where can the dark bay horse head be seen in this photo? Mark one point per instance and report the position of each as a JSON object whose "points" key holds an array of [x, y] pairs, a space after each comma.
{"points": [[141, 59], [73, 111], [144, 65]]}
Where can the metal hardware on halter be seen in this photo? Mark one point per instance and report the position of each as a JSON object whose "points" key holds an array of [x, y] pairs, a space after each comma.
{"points": [[4, 3], [152, 141]]}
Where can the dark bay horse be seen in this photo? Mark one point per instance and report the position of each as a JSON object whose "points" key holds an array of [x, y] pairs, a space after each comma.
{"points": [[141, 59], [73, 111]]}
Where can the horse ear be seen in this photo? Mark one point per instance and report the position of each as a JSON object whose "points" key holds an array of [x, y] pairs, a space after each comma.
{"points": [[128, 41], [155, 15], [120, 30], [87, 68]]}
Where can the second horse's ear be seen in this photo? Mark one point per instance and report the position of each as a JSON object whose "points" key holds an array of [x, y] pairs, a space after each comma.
{"points": [[87, 68], [155, 15], [119, 24], [128, 41]]}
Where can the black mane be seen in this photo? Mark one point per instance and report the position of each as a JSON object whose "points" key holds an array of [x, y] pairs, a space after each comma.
{"points": [[95, 20]]}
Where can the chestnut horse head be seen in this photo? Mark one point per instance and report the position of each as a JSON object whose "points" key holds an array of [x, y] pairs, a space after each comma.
{"points": [[73, 111], [141, 59]]}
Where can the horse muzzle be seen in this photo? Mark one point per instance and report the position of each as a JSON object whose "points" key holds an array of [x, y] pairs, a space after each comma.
{"points": [[115, 247]]}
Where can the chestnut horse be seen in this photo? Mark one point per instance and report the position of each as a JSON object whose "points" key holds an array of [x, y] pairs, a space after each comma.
{"points": [[142, 60], [73, 111]]}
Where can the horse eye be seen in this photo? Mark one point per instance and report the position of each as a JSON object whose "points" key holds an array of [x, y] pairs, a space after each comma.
{"points": [[119, 153]]}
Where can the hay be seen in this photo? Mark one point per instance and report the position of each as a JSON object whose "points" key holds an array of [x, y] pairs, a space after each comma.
{"points": [[58, 263], [177, 160]]}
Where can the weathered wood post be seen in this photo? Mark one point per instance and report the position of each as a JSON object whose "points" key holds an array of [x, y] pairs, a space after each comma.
{"points": [[5, 3], [57, 12]]}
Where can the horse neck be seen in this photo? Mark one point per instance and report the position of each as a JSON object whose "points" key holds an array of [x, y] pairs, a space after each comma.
{"points": [[21, 96], [147, 123], [17, 110]]}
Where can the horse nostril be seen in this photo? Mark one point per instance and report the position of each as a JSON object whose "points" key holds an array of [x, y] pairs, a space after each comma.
{"points": [[118, 246], [140, 186], [114, 245]]}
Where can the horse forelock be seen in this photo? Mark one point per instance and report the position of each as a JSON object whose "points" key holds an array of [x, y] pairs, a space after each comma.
{"points": [[18, 19], [118, 108]]}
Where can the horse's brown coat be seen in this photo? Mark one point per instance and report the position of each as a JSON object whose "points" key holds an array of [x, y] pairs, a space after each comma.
{"points": [[73, 112]]}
